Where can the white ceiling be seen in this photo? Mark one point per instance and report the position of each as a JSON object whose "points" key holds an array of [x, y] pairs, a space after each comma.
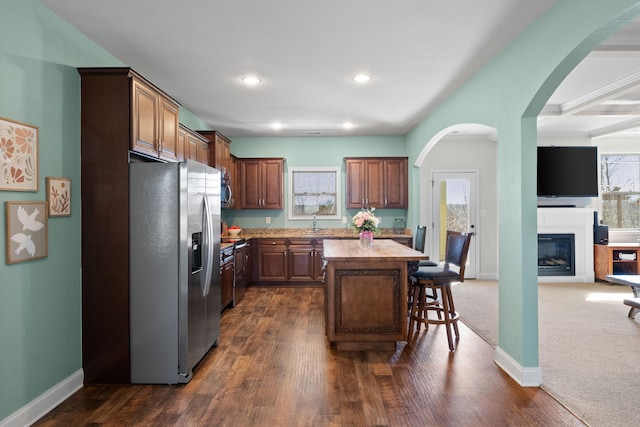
{"points": [[307, 51]]}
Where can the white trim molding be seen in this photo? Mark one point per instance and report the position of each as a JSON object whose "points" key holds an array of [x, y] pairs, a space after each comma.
{"points": [[44, 403], [526, 377]]}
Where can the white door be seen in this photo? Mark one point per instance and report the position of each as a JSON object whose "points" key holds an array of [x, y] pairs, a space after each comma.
{"points": [[453, 198]]}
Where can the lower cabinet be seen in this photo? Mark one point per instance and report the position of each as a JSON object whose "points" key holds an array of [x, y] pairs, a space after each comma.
{"points": [[293, 261], [302, 260], [272, 260], [227, 273]]}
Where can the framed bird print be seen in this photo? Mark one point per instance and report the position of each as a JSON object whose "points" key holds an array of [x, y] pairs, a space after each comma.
{"points": [[18, 156], [59, 196], [26, 231]]}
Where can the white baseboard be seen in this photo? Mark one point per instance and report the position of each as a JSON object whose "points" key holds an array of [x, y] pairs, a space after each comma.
{"points": [[526, 377], [39, 407]]}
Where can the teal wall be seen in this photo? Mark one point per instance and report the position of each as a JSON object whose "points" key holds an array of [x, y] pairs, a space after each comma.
{"points": [[40, 301], [312, 152], [508, 94], [191, 121]]}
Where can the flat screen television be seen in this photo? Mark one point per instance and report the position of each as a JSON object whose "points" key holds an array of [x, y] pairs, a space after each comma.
{"points": [[568, 171]]}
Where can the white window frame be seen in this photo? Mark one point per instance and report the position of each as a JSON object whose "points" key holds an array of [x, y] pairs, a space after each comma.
{"points": [[335, 170], [602, 192]]}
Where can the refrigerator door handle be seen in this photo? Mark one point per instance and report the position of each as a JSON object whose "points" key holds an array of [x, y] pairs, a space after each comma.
{"points": [[208, 237]]}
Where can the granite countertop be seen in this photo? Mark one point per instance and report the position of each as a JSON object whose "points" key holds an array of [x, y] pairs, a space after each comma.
{"points": [[352, 250], [285, 233]]}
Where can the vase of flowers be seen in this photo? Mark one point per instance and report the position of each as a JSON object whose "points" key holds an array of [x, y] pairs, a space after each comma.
{"points": [[366, 223]]}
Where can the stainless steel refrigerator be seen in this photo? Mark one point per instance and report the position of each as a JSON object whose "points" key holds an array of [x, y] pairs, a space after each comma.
{"points": [[174, 217]]}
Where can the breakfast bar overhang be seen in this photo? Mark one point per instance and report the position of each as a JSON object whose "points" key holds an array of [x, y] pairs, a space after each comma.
{"points": [[366, 293]]}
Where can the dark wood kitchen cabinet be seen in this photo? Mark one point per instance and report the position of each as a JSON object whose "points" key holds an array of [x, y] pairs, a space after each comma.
{"points": [[288, 261], [203, 151], [112, 131], [395, 179], [272, 260], [154, 121], [305, 260], [377, 182], [301, 260], [220, 156], [192, 146], [262, 183]]}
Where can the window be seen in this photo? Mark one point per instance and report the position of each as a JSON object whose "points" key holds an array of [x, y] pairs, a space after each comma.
{"points": [[620, 190], [314, 191]]}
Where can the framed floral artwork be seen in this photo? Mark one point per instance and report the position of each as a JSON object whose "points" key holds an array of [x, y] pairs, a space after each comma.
{"points": [[18, 156], [26, 231], [59, 196]]}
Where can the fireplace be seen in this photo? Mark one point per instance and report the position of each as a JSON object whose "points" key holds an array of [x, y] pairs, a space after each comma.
{"points": [[556, 255]]}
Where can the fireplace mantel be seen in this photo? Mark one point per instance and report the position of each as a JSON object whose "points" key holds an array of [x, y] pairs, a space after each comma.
{"points": [[577, 221]]}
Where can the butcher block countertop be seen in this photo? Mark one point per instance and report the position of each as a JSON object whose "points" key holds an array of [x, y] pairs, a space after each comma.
{"points": [[351, 250]]}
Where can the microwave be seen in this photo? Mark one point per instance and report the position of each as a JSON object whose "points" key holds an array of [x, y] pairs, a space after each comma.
{"points": [[226, 196]]}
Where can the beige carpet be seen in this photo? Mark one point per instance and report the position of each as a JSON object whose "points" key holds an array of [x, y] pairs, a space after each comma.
{"points": [[589, 348]]}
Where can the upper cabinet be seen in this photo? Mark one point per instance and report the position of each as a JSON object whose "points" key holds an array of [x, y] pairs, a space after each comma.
{"points": [[192, 146], [261, 182], [220, 156], [377, 182], [154, 118]]}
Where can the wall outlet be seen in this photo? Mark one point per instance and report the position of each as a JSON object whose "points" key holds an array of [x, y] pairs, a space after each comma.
{"points": [[344, 219], [268, 220]]}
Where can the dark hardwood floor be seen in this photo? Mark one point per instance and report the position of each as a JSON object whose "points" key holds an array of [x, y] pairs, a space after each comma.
{"points": [[273, 367]]}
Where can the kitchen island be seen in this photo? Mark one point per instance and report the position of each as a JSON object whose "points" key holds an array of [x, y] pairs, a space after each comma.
{"points": [[366, 293]]}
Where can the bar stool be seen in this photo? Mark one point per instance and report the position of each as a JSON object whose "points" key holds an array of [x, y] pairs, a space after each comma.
{"points": [[431, 280], [418, 245]]}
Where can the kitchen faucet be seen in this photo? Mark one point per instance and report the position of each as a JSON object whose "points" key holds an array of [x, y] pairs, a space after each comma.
{"points": [[315, 224]]}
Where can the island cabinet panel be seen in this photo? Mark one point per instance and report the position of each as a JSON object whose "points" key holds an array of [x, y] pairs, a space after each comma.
{"points": [[366, 293], [377, 182], [262, 183], [118, 120], [155, 121]]}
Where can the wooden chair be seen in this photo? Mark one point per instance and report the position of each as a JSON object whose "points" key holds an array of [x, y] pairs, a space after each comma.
{"points": [[439, 278]]}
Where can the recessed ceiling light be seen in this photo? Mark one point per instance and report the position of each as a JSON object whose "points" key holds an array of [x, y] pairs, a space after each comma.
{"points": [[251, 80], [347, 125], [276, 125], [361, 78]]}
